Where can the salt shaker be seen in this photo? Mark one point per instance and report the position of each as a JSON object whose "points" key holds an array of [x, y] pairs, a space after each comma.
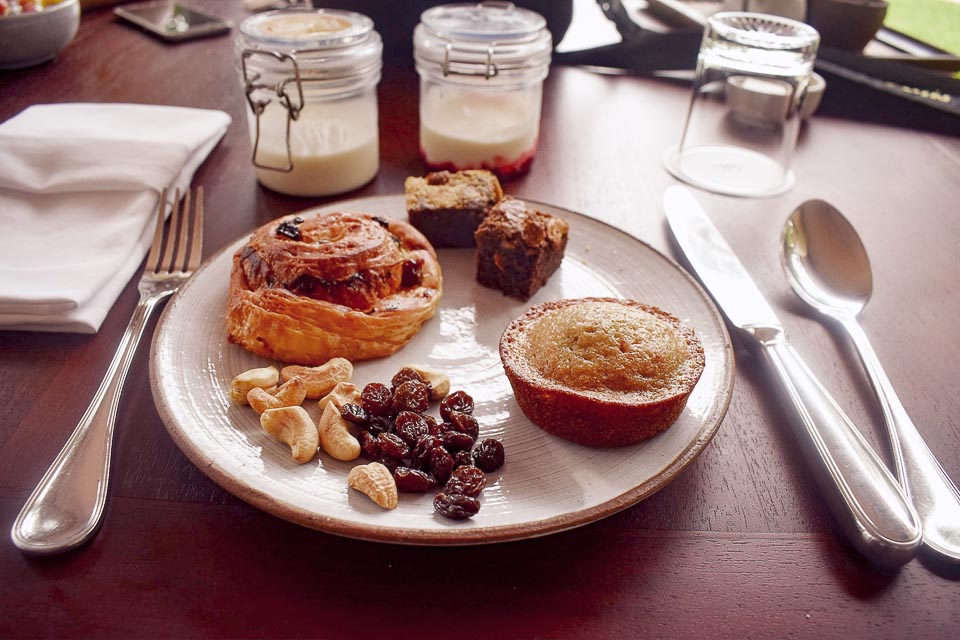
{"points": [[481, 70], [310, 79]]}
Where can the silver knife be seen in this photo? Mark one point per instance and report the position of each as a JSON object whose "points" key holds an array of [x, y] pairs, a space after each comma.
{"points": [[864, 496]]}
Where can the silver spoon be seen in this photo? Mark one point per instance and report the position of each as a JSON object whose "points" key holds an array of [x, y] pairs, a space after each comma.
{"points": [[827, 266]]}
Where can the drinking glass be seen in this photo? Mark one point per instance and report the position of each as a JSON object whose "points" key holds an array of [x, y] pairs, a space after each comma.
{"points": [[744, 116]]}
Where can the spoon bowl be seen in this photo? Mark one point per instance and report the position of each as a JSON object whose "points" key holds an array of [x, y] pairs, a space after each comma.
{"points": [[827, 265], [824, 259]]}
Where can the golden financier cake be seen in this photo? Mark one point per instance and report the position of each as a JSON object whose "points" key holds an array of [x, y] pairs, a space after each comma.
{"points": [[307, 289], [601, 371]]}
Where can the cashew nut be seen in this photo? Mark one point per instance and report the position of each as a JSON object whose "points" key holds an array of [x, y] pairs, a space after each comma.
{"points": [[263, 378], [343, 393], [320, 380], [439, 381], [376, 481], [289, 394], [335, 439], [293, 426]]}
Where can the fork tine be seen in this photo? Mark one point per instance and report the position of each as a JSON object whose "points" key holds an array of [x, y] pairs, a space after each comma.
{"points": [[178, 264], [166, 263], [154, 255], [196, 249]]}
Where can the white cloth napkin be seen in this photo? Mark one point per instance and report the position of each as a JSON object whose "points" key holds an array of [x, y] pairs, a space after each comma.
{"points": [[79, 186]]}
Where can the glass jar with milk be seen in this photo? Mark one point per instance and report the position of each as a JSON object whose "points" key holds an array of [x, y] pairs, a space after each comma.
{"points": [[310, 79], [481, 68]]}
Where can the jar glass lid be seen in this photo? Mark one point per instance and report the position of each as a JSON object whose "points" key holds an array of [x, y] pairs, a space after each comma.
{"points": [[307, 29], [486, 39], [483, 21]]}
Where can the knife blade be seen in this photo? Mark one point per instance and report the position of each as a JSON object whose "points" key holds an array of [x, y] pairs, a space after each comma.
{"points": [[863, 495], [715, 262]]}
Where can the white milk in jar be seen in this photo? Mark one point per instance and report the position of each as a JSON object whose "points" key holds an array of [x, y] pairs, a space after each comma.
{"points": [[333, 148], [310, 80], [505, 132], [481, 70]]}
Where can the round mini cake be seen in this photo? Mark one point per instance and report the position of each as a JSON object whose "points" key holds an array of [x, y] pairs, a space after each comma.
{"points": [[601, 372], [310, 287]]}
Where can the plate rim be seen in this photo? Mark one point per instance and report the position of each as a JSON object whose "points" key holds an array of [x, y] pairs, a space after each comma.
{"points": [[453, 536]]}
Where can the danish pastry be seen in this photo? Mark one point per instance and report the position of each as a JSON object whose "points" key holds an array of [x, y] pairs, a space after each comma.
{"points": [[308, 288]]}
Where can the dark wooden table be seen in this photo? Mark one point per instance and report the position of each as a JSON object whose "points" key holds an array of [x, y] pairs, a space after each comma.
{"points": [[739, 545]]}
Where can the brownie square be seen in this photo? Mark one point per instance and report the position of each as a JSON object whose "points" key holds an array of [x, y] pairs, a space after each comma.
{"points": [[519, 248], [448, 207]]}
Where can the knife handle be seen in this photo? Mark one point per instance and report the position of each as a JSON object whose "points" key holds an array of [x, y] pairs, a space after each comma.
{"points": [[865, 498]]}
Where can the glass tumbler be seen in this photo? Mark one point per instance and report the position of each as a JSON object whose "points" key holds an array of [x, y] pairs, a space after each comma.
{"points": [[744, 116]]}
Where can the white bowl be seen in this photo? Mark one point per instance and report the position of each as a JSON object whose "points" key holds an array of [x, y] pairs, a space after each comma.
{"points": [[31, 38], [758, 100], [765, 101], [811, 100]]}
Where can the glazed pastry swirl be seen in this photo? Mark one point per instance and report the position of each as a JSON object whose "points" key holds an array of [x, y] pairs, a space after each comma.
{"points": [[306, 289]]}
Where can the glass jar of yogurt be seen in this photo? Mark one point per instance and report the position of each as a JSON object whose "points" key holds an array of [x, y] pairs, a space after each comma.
{"points": [[310, 79], [481, 70]]}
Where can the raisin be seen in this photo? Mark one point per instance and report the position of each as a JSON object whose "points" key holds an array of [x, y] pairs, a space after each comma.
{"points": [[370, 446], [412, 274], [392, 446], [377, 399], [456, 401], [390, 463], [413, 481], [410, 427], [462, 458], [289, 229], [421, 452], [411, 396], [441, 464], [468, 481], [465, 423], [455, 441], [456, 506], [439, 428], [355, 413], [378, 425], [406, 374], [489, 455]]}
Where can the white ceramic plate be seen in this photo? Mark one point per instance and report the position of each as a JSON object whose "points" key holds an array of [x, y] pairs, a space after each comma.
{"points": [[546, 485]]}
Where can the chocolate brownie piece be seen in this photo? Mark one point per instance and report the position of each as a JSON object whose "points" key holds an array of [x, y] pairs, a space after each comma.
{"points": [[448, 207], [519, 248]]}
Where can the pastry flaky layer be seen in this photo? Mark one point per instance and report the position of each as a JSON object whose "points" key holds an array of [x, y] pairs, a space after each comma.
{"points": [[310, 287]]}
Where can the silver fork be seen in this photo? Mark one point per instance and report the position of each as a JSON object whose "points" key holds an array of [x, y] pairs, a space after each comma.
{"points": [[65, 509]]}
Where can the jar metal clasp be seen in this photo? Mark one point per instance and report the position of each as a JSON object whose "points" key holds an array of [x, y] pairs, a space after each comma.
{"points": [[258, 105], [490, 69]]}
